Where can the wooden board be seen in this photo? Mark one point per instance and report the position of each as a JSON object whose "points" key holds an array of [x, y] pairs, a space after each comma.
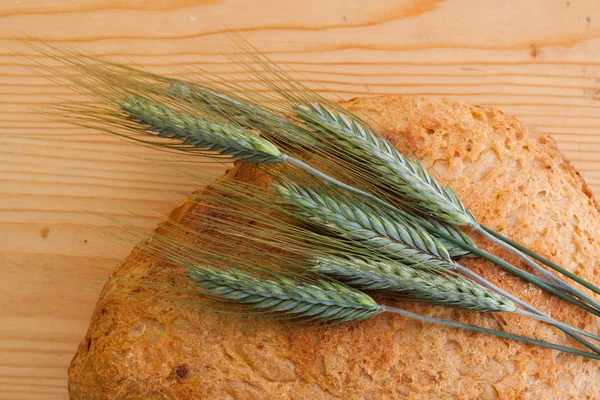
{"points": [[539, 60]]}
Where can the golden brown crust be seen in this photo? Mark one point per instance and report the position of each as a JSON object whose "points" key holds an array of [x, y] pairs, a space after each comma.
{"points": [[513, 179]]}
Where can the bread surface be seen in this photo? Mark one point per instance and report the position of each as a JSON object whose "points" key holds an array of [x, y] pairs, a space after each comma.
{"points": [[513, 179]]}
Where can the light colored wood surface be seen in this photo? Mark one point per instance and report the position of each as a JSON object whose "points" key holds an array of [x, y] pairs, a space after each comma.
{"points": [[539, 60]]}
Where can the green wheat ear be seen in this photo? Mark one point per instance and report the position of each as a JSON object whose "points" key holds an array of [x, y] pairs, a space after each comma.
{"points": [[366, 224], [403, 174], [319, 301], [121, 84], [199, 132], [398, 280]]}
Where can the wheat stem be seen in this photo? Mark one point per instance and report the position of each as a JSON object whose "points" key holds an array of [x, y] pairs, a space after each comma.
{"points": [[491, 332], [569, 330], [542, 259], [556, 323], [559, 283]]}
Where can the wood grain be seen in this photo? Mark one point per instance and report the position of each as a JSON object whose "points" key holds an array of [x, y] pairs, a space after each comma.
{"points": [[538, 60]]}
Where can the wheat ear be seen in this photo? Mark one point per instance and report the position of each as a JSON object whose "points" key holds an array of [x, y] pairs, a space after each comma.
{"points": [[366, 224], [396, 279], [321, 300], [404, 174], [199, 132]]}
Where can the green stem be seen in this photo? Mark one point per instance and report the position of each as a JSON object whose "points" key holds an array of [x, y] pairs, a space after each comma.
{"points": [[491, 332], [544, 285], [561, 285], [569, 330], [556, 323], [528, 260], [542, 259]]}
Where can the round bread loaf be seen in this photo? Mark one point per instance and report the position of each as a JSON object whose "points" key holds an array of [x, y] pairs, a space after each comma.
{"points": [[512, 178]]}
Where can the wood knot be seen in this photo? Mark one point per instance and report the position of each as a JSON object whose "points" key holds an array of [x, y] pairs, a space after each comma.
{"points": [[534, 52], [44, 232]]}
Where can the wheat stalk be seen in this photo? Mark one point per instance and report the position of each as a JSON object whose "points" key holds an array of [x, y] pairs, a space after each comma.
{"points": [[226, 139], [396, 279], [102, 80], [367, 224], [321, 301], [201, 132]]}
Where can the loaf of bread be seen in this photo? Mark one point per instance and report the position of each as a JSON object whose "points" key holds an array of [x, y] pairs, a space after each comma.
{"points": [[512, 178]]}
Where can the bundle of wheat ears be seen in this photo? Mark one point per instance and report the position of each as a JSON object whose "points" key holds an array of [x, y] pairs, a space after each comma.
{"points": [[350, 226]]}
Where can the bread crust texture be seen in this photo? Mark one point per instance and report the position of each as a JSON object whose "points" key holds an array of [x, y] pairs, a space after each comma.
{"points": [[512, 178]]}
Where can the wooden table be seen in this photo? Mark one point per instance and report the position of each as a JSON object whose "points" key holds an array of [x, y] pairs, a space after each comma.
{"points": [[539, 60]]}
